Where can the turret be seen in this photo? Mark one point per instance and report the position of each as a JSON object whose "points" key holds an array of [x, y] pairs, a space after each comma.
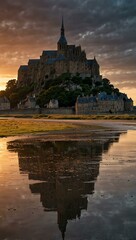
{"points": [[96, 67]]}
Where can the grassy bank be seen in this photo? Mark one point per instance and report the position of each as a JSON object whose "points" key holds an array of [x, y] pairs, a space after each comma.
{"points": [[90, 117], [81, 117], [12, 127]]}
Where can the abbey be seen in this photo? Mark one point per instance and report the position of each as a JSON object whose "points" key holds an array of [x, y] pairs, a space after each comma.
{"points": [[53, 63]]}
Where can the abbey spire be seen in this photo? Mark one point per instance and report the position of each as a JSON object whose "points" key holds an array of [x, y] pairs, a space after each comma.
{"points": [[62, 43], [62, 28]]}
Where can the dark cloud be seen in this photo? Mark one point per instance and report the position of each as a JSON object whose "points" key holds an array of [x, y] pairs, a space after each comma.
{"points": [[105, 28]]}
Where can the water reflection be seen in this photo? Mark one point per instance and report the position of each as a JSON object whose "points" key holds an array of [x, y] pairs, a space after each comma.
{"points": [[66, 172]]}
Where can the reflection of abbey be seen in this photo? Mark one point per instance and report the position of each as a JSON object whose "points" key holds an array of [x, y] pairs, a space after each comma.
{"points": [[66, 173], [53, 63]]}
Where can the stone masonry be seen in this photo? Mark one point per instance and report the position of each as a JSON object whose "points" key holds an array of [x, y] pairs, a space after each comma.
{"points": [[53, 63]]}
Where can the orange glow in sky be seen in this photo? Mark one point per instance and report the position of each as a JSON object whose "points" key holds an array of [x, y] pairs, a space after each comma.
{"points": [[106, 31]]}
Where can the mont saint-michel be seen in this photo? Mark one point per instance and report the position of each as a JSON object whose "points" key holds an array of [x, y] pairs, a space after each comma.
{"points": [[67, 126], [66, 78], [53, 63]]}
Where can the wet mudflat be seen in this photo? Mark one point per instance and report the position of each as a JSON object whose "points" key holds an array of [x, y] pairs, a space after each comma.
{"points": [[72, 190]]}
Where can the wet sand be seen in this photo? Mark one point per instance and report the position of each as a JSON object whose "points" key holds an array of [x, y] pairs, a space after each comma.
{"points": [[111, 124], [72, 186], [101, 126]]}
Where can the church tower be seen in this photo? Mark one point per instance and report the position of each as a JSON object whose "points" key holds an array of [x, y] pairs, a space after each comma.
{"points": [[62, 43]]}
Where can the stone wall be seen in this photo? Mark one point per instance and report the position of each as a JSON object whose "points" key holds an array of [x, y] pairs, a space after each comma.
{"points": [[20, 111], [67, 111], [5, 105], [100, 107]]}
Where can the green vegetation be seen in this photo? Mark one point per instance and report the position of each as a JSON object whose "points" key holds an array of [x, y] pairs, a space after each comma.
{"points": [[12, 127], [76, 117], [61, 89], [65, 89], [88, 117], [17, 126], [15, 94]]}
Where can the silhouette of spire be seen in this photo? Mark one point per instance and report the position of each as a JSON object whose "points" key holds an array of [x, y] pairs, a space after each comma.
{"points": [[62, 223], [62, 28], [62, 40], [63, 235]]}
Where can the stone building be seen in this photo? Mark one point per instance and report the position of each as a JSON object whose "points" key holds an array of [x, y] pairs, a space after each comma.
{"points": [[28, 103], [4, 103], [53, 103], [128, 103], [103, 103], [53, 63]]}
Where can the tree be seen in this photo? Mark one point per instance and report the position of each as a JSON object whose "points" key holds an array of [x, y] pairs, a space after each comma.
{"points": [[11, 86], [95, 91], [2, 93], [14, 99], [106, 81], [86, 89], [97, 84], [87, 80], [116, 90]]}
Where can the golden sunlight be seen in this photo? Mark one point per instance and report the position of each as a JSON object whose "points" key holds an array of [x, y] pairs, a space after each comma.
{"points": [[4, 80], [131, 92]]}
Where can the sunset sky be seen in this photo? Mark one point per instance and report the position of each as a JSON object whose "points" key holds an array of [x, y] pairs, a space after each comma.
{"points": [[104, 28]]}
